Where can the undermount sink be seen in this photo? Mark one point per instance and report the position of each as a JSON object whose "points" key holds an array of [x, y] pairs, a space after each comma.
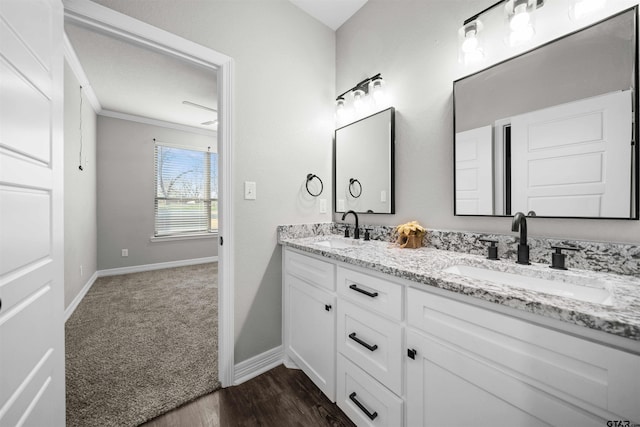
{"points": [[597, 293], [339, 243]]}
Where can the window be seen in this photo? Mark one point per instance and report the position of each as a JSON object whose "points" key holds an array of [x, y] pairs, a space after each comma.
{"points": [[186, 200]]}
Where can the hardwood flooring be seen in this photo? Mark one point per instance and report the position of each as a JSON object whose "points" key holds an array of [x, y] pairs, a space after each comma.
{"points": [[280, 397]]}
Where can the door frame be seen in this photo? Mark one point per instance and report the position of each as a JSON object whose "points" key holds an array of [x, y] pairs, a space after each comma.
{"points": [[108, 21]]}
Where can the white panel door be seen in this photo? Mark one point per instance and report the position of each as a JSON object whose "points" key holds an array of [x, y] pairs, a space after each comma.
{"points": [[573, 159], [474, 171], [31, 214]]}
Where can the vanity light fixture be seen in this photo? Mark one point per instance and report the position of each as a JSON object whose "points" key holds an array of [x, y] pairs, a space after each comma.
{"points": [[519, 16], [374, 86], [579, 9]]}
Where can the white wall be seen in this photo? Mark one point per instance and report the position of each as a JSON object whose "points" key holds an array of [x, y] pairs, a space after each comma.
{"points": [[284, 88], [414, 45], [80, 228], [126, 195]]}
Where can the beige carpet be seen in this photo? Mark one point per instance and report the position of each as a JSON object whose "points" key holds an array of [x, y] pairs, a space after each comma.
{"points": [[141, 344]]}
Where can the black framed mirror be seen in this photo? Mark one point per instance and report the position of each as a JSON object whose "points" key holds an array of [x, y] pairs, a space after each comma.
{"points": [[363, 165], [550, 132]]}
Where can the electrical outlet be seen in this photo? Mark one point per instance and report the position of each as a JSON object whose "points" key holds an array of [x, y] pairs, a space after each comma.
{"points": [[323, 205], [125, 252]]}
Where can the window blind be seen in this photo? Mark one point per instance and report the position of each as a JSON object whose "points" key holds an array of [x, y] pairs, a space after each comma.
{"points": [[186, 199]]}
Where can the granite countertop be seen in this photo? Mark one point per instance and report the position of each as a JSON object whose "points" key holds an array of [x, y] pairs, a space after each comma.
{"points": [[426, 266]]}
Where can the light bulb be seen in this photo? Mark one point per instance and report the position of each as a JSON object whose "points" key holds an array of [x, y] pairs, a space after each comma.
{"points": [[582, 8], [340, 109], [378, 92], [470, 43], [520, 19], [358, 99], [470, 49]]}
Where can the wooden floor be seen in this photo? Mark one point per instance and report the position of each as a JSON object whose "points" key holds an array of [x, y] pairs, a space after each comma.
{"points": [[281, 397]]}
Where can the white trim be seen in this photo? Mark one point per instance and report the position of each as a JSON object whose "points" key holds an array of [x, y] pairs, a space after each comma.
{"points": [[74, 63], [156, 122], [251, 368], [100, 18], [159, 239], [76, 301], [156, 266]]}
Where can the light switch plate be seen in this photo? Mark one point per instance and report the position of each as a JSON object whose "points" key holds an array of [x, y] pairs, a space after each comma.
{"points": [[249, 190]]}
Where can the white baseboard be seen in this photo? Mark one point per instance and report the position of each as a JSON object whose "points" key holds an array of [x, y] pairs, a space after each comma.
{"points": [[251, 368], [74, 304], [156, 266]]}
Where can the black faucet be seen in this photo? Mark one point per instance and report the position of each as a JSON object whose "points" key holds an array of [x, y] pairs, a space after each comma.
{"points": [[356, 233], [520, 223]]}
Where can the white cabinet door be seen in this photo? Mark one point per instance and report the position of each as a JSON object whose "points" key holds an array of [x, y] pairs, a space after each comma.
{"points": [[31, 214], [310, 330], [450, 386]]}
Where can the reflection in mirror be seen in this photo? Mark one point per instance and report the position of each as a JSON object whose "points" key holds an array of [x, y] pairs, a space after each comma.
{"points": [[550, 132], [363, 165]]}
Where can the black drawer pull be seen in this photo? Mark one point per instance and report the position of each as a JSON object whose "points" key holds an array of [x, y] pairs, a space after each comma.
{"points": [[362, 291], [371, 416], [369, 347]]}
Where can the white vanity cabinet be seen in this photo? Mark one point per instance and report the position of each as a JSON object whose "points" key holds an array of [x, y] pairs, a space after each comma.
{"points": [[309, 318], [473, 366], [397, 353]]}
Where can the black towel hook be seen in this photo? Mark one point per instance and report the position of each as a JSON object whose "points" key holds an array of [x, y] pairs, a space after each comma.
{"points": [[310, 177], [353, 181]]}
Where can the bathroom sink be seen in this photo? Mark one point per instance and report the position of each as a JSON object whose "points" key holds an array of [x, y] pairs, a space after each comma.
{"points": [[596, 293], [339, 243]]}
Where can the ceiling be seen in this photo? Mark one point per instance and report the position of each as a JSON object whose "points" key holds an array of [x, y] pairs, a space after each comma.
{"points": [[332, 13], [136, 80]]}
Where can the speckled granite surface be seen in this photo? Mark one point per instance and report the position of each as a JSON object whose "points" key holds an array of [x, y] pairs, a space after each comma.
{"points": [[616, 258], [426, 265]]}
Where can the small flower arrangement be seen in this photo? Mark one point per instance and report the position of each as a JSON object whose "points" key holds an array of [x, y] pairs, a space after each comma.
{"points": [[410, 235]]}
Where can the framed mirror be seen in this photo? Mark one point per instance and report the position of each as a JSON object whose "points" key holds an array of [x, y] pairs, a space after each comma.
{"points": [[551, 132], [363, 173]]}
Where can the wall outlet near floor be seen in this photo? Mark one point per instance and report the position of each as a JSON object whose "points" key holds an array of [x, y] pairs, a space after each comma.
{"points": [[125, 252]]}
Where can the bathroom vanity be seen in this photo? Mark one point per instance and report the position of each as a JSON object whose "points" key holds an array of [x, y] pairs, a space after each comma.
{"points": [[397, 338]]}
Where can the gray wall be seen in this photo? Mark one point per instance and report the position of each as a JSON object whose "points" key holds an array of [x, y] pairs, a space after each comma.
{"points": [[126, 195], [79, 190], [414, 45], [284, 88]]}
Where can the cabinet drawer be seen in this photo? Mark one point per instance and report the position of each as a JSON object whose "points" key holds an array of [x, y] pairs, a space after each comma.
{"points": [[371, 342], [371, 292], [314, 271], [592, 376], [364, 400]]}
